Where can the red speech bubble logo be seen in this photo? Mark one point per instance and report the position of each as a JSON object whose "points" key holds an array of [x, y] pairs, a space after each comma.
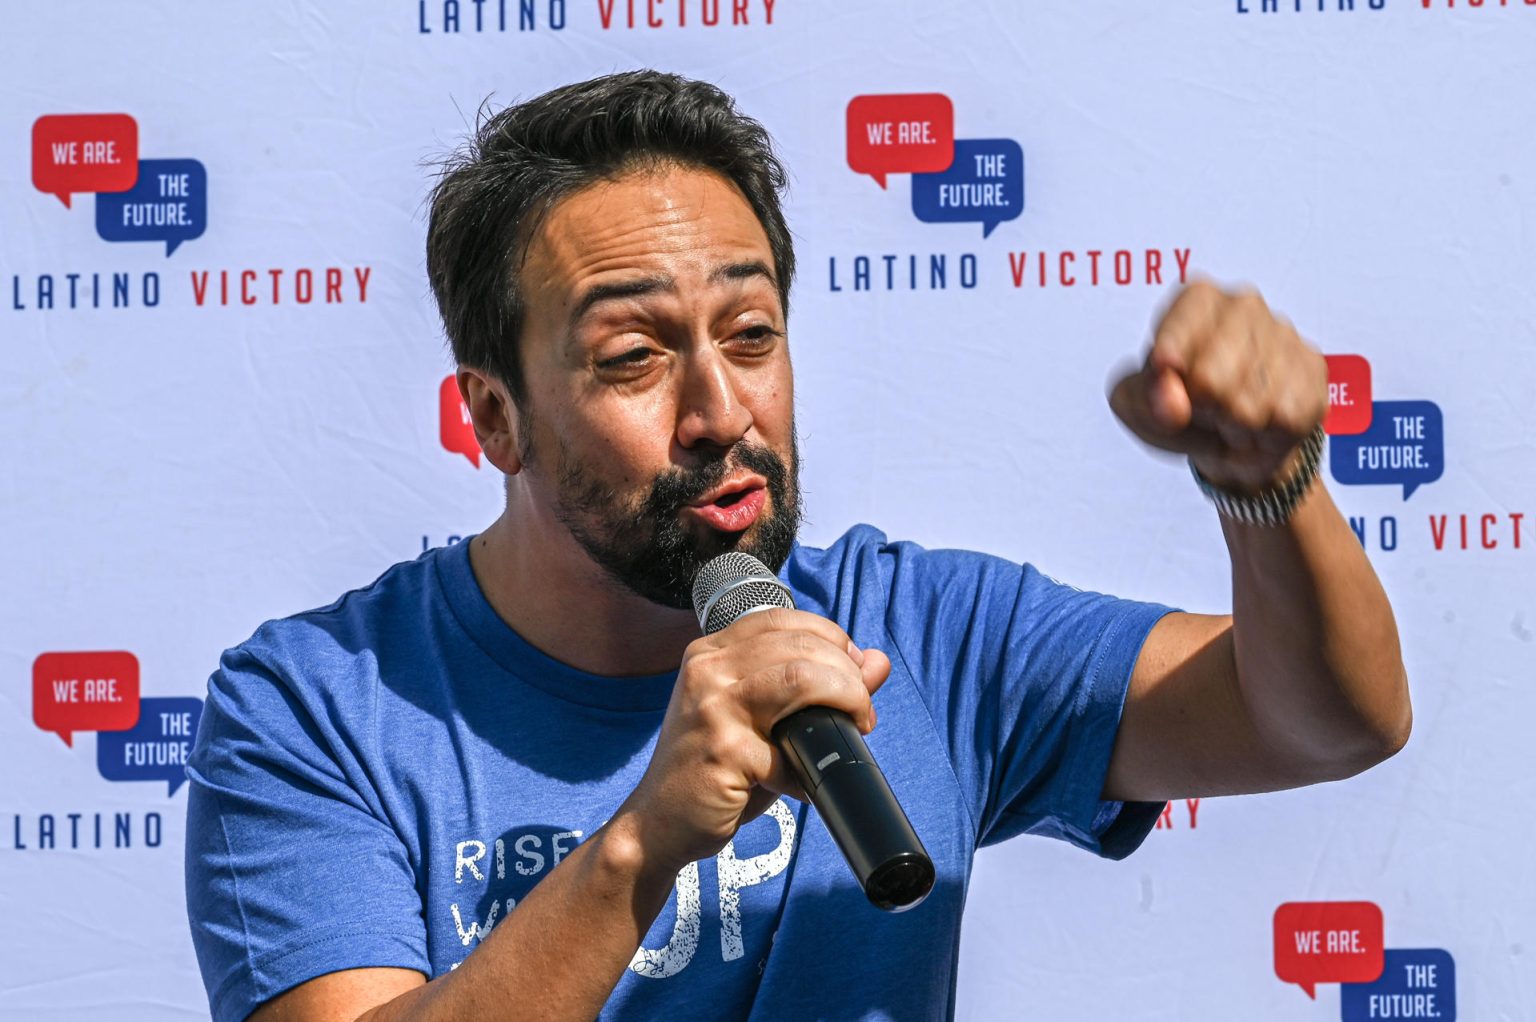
{"points": [[904, 133], [1328, 942], [84, 153], [454, 425], [85, 692], [1349, 395]]}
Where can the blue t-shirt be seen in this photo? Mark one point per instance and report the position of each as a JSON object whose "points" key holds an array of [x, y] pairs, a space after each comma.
{"points": [[378, 783]]}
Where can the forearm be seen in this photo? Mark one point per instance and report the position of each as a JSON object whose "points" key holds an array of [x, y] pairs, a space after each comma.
{"points": [[561, 951], [1316, 647]]}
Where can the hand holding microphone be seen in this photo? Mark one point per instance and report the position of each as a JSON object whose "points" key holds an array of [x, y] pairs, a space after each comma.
{"points": [[826, 752], [715, 766]]}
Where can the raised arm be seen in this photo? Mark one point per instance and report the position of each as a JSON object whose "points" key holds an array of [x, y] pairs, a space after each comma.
{"points": [[1304, 681]]}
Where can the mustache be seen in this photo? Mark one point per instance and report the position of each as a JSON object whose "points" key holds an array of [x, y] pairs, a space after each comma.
{"points": [[640, 538], [679, 487]]}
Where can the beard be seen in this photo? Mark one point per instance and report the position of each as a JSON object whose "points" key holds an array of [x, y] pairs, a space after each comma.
{"points": [[642, 543]]}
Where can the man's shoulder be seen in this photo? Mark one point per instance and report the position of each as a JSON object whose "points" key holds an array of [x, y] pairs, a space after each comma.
{"points": [[816, 573], [857, 539], [867, 546], [864, 561], [354, 625], [321, 679]]}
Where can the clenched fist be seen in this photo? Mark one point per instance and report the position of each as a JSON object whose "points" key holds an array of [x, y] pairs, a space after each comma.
{"points": [[1229, 384]]}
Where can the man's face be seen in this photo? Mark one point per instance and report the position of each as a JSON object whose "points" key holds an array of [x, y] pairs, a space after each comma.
{"points": [[658, 421]]}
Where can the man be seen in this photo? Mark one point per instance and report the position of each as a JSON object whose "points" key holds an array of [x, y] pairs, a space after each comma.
{"points": [[510, 780]]}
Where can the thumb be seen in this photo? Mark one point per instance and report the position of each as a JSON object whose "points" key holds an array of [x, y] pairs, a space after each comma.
{"points": [[1168, 400], [876, 668], [1153, 403]]}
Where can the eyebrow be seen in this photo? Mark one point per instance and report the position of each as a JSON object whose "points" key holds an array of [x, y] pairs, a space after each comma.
{"points": [[743, 271], [660, 283], [628, 289]]}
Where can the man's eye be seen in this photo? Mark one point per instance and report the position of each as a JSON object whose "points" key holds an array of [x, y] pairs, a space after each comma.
{"points": [[760, 336], [630, 358]]}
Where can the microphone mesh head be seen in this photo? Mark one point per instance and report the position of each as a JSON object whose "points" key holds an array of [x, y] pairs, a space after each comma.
{"points": [[733, 584]]}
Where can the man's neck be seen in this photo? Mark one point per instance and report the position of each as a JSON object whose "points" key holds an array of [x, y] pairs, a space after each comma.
{"points": [[546, 588]]}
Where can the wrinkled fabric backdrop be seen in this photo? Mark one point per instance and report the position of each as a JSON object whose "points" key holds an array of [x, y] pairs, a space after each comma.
{"points": [[221, 381]]}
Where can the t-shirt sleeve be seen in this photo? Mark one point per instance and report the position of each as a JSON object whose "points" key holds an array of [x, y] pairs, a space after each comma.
{"points": [[1026, 678], [291, 870]]}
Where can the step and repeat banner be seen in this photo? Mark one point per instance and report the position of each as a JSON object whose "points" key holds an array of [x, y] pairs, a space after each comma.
{"points": [[224, 397]]}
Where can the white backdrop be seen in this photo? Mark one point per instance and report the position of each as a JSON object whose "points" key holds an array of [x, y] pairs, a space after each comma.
{"points": [[189, 451]]}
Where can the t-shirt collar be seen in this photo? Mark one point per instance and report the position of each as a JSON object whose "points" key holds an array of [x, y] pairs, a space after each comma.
{"points": [[530, 665]]}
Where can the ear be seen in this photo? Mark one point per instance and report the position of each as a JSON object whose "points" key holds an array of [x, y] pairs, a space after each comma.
{"points": [[494, 416]]}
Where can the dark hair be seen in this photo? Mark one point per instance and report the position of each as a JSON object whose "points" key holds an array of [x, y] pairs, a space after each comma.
{"points": [[498, 186]]}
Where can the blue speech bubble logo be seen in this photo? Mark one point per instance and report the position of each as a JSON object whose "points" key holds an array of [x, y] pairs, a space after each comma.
{"points": [[984, 185], [156, 749], [1404, 446], [1414, 984], [169, 204]]}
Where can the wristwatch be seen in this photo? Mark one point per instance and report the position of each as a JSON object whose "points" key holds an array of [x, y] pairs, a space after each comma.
{"points": [[1273, 506]]}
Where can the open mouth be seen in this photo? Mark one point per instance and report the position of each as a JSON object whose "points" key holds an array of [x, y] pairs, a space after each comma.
{"points": [[733, 511], [730, 493]]}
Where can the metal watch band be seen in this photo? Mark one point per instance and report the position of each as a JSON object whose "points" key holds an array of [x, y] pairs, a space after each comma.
{"points": [[1273, 506]]}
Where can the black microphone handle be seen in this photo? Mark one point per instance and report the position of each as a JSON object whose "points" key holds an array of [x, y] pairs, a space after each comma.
{"points": [[828, 756]]}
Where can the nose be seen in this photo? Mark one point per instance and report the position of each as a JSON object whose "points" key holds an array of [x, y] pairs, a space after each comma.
{"points": [[710, 410]]}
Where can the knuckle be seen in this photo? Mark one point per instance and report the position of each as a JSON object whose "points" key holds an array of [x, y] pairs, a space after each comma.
{"points": [[1246, 408], [1290, 420], [715, 710], [1252, 415], [1290, 403], [725, 753], [1235, 323], [1207, 375], [1172, 336], [1169, 337], [1202, 291], [701, 669], [801, 644], [799, 674], [1247, 306], [849, 685]]}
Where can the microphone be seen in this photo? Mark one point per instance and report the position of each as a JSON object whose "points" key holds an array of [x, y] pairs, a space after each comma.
{"points": [[826, 752]]}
